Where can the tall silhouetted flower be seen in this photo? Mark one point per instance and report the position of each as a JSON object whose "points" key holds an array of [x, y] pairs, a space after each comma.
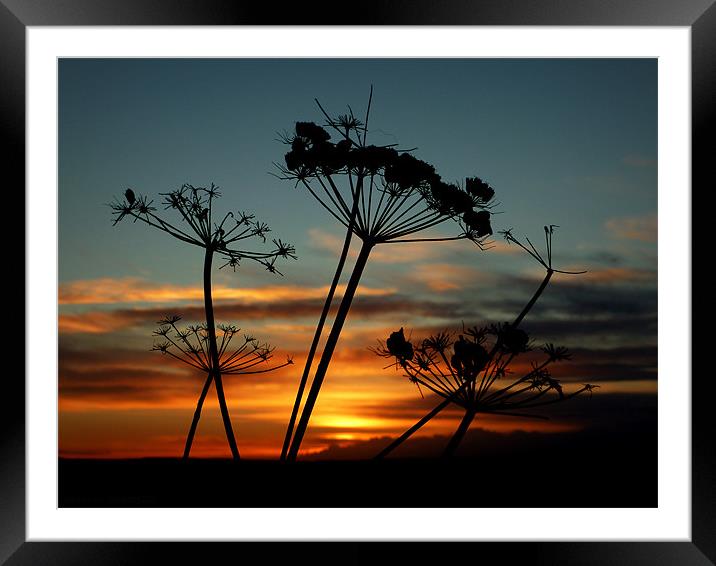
{"points": [[225, 238], [381, 194]]}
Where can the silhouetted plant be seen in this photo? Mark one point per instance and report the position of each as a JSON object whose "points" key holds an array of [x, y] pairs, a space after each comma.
{"points": [[382, 195], [195, 208], [443, 365], [473, 371], [191, 345]]}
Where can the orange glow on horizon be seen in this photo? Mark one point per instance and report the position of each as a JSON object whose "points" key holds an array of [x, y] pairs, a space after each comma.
{"points": [[119, 400]]}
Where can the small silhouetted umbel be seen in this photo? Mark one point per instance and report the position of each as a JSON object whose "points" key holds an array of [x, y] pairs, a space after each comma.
{"points": [[473, 370]]}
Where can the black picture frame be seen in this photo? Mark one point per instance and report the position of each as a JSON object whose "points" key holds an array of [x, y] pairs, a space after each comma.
{"points": [[699, 15]]}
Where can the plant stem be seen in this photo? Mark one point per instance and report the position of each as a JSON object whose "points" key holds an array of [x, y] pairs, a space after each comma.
{"points": [[197, 416], [319, 330], [459, 433], [330, 346], [417, 426], [214, 353], [534, 298]]}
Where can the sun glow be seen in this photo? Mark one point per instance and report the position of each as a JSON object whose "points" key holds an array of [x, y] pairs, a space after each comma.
{"points": [[349, 422]]}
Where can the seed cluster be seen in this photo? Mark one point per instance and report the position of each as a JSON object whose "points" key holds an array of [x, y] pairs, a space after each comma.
{"points": [[403, 181]]}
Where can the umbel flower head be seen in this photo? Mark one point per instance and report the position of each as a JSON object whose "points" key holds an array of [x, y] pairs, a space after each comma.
{"points": [[201, 227], [383, 193], [473, 369], [544, 258], [190, 345]]}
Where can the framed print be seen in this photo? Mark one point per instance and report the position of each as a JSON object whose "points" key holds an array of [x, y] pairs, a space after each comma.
{"points": [[357, 285]]}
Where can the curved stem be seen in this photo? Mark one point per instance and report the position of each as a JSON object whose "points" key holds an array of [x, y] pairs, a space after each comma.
{"points": [[534, 298], [331, 342], [214, 353]]}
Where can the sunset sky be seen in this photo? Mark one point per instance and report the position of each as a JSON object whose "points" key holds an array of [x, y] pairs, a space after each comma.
{"points": [[571, 142]]}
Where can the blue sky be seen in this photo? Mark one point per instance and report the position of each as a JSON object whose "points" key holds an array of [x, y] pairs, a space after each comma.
{"points": [[565, 141]]}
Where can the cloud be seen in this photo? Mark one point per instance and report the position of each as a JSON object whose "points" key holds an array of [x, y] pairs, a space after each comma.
{"points": [[617, 308], [135, 290], [626, 363], [617, 275], [445, 277], [147, 385], [359, 383], [577, 299], [642, 228], [364, 306], [124, 378], [97, 322]]}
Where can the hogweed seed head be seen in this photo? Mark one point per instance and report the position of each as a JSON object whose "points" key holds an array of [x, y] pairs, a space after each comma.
{"points": [[397, 194], [195, 208]]}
